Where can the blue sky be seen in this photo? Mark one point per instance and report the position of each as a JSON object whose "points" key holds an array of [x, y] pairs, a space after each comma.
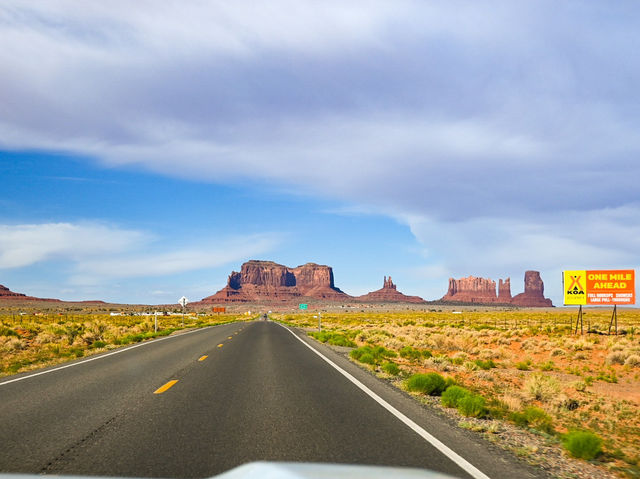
{"points": [[148, 149]]}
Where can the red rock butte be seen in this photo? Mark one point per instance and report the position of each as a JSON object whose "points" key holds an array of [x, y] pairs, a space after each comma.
{"points": [[483, 291], [266, 281], [389, 294]]}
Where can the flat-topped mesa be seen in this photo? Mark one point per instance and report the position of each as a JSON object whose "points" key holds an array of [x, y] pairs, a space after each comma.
{"points": [[389, 294], [268, 281], [471, 290], [533, 292]]}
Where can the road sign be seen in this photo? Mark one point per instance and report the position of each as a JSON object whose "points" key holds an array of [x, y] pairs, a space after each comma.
{"points": [[304, 306], [599, 287], [183, 301], [219, 309]]}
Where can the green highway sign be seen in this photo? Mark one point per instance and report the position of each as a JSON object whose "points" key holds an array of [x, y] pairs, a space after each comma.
{"points": [[303, 306]]}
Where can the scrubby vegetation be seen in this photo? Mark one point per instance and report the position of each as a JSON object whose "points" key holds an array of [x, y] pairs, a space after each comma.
{"points": [[526, 367], [28, 341]]}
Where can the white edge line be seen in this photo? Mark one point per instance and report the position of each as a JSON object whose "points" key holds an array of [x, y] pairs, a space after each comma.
{"points": [[455, 457], [95, 358]]}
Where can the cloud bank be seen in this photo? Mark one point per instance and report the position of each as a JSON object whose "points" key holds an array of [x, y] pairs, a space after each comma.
{"points": [[504, 134], [99, 254]]}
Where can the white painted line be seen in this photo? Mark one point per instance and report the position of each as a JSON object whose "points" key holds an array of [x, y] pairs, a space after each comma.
{"points": [[455, 457], [95, 358]]}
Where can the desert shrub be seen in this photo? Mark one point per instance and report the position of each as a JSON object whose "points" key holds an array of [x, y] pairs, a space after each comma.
{"points": [[583, 444], [371, 354], [547, 366], [582, 345], [541, 387], [4, 331], [558, 352], [523, 365], [472, 405], [452, 395], [432, 384], [410, 353], [391, 368], [534, 418], [98, 344], [367, 358], [633, 361], [426, 353], [471, 366], [609, 377], [14, 344], [616, 357], [335, 339], [486, 365]]}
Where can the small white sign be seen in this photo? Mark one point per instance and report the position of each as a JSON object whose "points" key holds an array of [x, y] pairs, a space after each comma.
{"points": [[183, 301]]}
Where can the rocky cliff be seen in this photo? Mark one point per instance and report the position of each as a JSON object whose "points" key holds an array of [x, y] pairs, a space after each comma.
{"points": [[504, 291], [266, 281], [483, 291], [471, 290], [533, 292], [389, 294]]}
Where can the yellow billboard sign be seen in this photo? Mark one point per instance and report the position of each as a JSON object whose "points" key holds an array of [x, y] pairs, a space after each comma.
{"points": [[599, 287]]}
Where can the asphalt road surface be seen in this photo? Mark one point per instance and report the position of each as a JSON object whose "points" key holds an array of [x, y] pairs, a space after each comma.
{"points": [[205, 401]]}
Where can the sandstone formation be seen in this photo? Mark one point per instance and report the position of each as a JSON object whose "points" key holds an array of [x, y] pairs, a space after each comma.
{"points": [[388, 293], [471, 290], [7, 294], [504, 291], [266, 281], [533, 292], [483, 291]]}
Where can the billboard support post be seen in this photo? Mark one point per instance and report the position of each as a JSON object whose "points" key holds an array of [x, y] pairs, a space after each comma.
{"points": [[579, 321], [614, 316]]}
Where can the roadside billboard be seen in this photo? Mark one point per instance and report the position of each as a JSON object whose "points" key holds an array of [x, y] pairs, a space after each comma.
{"points": [[599, 287]]}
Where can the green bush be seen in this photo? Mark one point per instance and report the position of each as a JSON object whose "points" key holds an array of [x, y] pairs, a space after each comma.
{"points": [[367, 358], [486, 365], [523, 365], [426, 353], [452, 395], [432, 384], [372, 354], [534, 418], [410, 353], [98, 344], [583, 444], [335, 339], [4, 331], [472, 405], [391, 368]]}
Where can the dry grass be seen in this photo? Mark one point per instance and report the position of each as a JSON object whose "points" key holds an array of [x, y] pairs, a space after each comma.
{"points": [[35, 340]]}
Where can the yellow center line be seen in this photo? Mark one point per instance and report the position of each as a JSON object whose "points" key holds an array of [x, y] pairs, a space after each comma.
{"points": [[230, 337], [219, 345], [162, 389], [202, 358]]}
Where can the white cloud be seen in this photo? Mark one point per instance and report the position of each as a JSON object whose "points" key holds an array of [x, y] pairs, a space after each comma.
{"points": [[24, 245], [182, 260], [96, 253]]}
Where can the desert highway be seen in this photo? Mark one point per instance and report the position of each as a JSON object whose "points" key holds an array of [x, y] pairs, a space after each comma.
{"points": [[201, 402]]}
